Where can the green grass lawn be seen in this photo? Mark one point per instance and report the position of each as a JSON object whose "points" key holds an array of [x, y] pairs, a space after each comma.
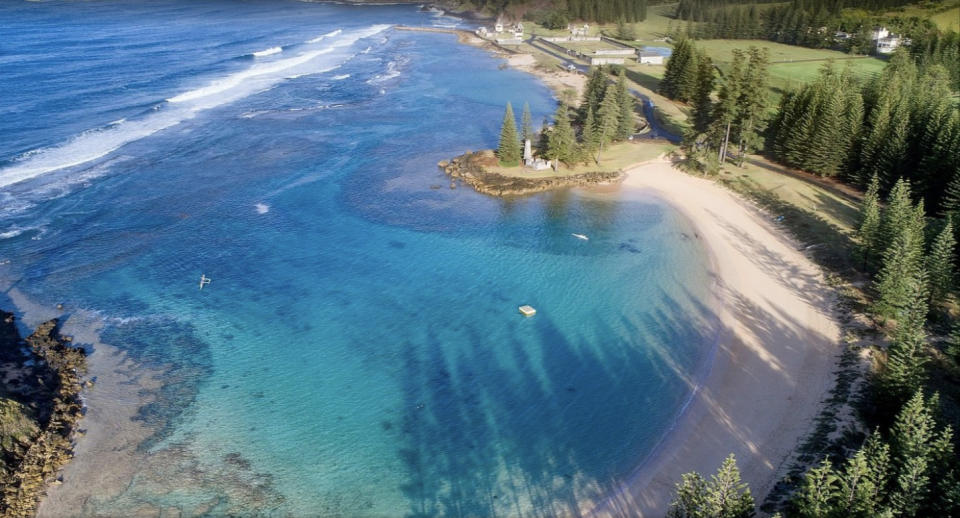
{"points": [[791, 66], [613, 158], [946, 18], [587, 47], [788, 76], [820, 214], [830, 204], [722, 50], [649, 30]]}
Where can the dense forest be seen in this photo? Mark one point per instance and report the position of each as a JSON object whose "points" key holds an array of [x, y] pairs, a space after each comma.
{"points": [[599, 11], [903, 124], [898, 136]]}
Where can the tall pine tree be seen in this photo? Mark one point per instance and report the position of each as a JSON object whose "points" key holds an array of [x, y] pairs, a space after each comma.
{"points": [[940, 264], [868, 232], [562, 142], [626, 121], [526, 124], [509, 149]]}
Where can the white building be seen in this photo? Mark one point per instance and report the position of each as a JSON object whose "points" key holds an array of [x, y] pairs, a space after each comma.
{"points": [[649, 58], [889, 44], [482, 32], [614, 52], [886, 42], [498, 27], [606, 60], [579, 31]]}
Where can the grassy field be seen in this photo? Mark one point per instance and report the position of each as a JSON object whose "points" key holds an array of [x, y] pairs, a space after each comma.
{"points": [[722, 50], [791, 66], [948, 20], [788, 76], [649, 30], [613, 158], [588, 47], [946, 17], [834, 203]]}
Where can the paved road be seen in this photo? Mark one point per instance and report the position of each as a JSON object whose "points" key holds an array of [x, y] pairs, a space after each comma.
{"points": [[656, 129]]}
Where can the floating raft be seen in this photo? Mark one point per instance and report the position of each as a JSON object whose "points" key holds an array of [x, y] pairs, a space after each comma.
{"points": [[528, 311]]}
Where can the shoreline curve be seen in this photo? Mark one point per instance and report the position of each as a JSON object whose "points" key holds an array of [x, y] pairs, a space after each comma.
{"points": [[772, 361]]}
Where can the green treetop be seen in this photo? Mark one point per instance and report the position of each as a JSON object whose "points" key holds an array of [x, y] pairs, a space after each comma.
{"points": [[608, 117], [626, 121], [526, 124], [868, 233], [509, 151], [589, 138], [940, 264], [562, 142], [723, 496], [593, 92]]}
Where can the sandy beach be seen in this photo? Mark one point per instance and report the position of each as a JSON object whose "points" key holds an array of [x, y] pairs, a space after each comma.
{"points": [[774, 358]]}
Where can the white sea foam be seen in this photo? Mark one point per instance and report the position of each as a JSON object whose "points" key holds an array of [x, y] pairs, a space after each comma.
{"points": [[331, 34], [391, 72], [262, 208], [96, 143], [11, 232], [267, 52], [340, 77]]}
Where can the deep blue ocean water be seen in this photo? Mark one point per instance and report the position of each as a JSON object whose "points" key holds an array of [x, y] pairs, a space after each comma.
{"points": [[359, 350]]}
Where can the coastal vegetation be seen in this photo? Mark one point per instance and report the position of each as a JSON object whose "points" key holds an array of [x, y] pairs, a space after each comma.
{"points": [[578, 136], [556, 15], [905, 465], [39, 409], [739, 115], [824, 24]]}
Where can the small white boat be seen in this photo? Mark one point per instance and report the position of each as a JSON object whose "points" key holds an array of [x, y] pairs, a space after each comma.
{"points": [[581, 236], [527, 311]]}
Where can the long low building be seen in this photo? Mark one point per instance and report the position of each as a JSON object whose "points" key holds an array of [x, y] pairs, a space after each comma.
{"points": [[649, 58], [614, 52], [606, 60]]}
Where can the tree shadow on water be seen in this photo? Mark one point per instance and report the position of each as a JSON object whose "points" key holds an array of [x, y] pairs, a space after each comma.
{"points": [[541, 424]]}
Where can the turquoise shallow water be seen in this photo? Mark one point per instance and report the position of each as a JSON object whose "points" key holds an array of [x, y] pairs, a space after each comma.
{"points": [[359, 351]]}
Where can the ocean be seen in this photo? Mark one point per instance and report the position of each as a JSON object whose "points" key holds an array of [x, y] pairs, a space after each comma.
{"points": [[358, 351]]}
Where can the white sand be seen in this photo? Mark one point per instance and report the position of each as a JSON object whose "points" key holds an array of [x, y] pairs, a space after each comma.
{"points": [[774, 359]]}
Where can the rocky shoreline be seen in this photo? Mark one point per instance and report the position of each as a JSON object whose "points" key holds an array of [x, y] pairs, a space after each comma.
{"points": [[471, 169], [41, 409]]}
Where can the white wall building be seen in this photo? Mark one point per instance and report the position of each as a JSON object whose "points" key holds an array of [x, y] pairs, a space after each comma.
{"points": [[606, 60], [649, 58]]}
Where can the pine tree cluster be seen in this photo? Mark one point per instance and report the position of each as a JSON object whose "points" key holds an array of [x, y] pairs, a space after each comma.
{"points": [[904, 124], [735, 123], [599, 11], [816, 125], [910, 472]]}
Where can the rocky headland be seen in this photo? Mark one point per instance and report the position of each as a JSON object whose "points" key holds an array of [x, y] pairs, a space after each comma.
{"points": [[40, 407], [472, 168]]}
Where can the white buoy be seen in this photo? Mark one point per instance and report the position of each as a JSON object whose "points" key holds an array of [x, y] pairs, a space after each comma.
{"points": [[527, 311], [204, 280]]}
